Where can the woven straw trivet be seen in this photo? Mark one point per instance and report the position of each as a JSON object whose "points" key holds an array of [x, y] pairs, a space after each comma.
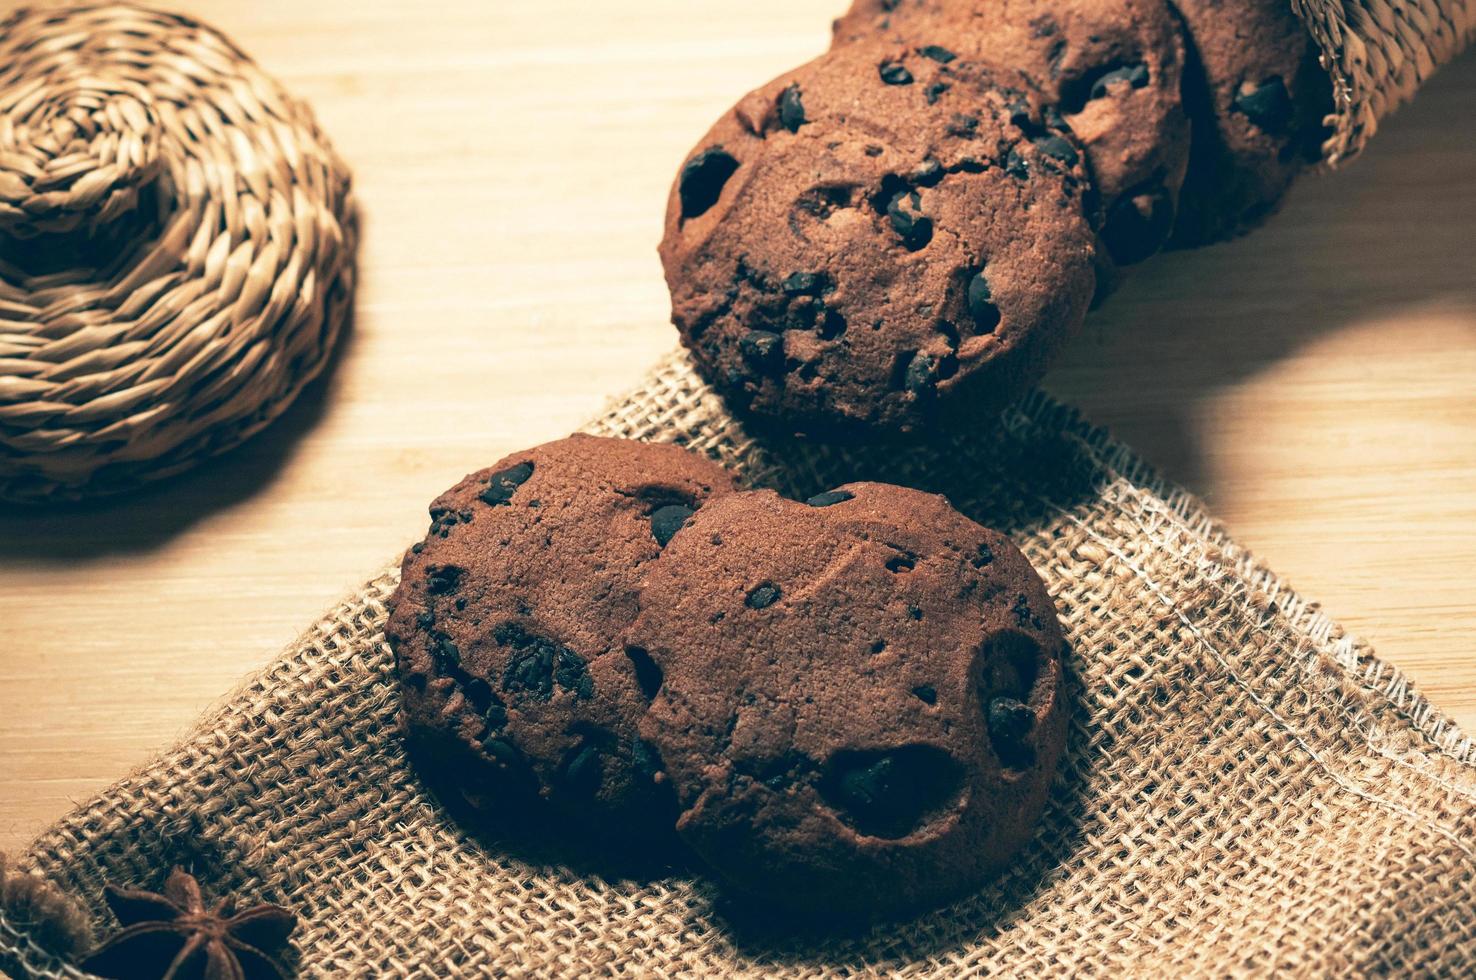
{"points": [[1245, 789], [176, 249]]}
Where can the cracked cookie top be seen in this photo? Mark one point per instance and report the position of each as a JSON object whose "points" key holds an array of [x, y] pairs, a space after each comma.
{"points": [[888, 234], [859, 701], [507, 621]]}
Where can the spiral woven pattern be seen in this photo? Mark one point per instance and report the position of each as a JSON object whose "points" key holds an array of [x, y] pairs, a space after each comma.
{"points": [[176, 248]]}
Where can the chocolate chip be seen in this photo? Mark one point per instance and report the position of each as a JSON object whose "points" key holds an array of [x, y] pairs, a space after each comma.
{"points": [[806, 284], [703, 179], [1010, 722], [668, 520], [1016, 165], [1267, 105], [894, 74], [963, 126], [1024, 617], [1134, 75], [890, 793], [762, 596], [531, 670], [538, 664], [445, 654], [647, 671], [516, 775], [926, 693], [915, 612], [911, 225], [647, 758], [1058, 147], [921, 377], [502, 750], [929, 173], [939, 54], [982, 557], [935, 90], [584, 772], [440, 579], [981, 304], [572, 674], [504, 483], [477, 691], [791, 109], [878, 646], [901, 563], [830, 498], [495, 714], [1138, 224]]}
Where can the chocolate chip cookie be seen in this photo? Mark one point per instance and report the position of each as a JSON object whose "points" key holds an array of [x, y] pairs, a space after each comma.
{"points": [[841, 197], [508, 620], [857, 699], [1111, 71], [1259, 99], [885, 237]]}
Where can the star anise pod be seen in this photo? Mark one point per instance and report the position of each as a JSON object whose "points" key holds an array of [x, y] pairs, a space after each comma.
{"points": [[173, 936]]}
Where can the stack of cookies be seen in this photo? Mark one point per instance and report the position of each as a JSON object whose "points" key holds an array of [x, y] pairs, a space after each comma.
{"points": [[850, 704], [902, 233]]}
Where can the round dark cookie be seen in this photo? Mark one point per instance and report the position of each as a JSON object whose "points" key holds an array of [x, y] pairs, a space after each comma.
{"points": [[860, 703], [1259, 100], [1113, 72], [507, 626], [879, 239]]}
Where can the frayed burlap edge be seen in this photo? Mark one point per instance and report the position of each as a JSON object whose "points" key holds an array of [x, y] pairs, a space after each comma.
{"points": [[40, 926]]}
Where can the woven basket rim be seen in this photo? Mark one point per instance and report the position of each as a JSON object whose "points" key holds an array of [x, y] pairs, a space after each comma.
{"points": [[238, 228]]}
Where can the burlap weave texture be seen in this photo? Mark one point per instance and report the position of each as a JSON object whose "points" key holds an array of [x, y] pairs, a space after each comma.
{"points": [[1245, 789]]}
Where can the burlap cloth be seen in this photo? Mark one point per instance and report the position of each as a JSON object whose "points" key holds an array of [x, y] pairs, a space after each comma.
{"points": [[1246, 789]]}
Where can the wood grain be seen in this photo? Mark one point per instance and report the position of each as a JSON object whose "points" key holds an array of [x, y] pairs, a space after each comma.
{"points": [[1315, 382]]}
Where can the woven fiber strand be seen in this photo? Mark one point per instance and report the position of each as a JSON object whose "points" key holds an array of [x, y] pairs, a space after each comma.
{"points": [[176, 249], [1379, 52], [1245, 789]]}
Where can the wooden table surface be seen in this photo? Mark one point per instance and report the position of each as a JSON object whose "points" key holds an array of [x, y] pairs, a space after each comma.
{"points": [[1314, 382]]}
